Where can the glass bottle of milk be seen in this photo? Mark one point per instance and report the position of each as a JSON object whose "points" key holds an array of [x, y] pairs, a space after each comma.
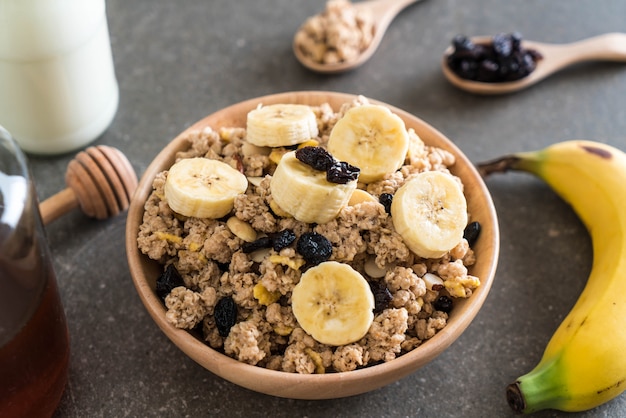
{"points": [[58, 90]]}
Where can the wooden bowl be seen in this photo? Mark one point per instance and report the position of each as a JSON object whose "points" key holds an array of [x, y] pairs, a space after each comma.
{"points": [[317, 386]]}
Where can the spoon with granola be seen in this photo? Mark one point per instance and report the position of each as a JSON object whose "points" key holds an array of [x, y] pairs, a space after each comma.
{"points": [[505, 63], [345, 35]]}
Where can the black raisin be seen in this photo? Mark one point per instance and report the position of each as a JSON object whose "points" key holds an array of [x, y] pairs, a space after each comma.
{"points": [[516, 41], [465, 68], [314, 248], [225, 314], [282, 239], [488, 70], [471, 232], [528, 60], [385, 200], [263, 242], [168, 280], [503, 59], [316, 157], [502, 45], [462, 43], [443, 304], [382, 296], [341, 172]]}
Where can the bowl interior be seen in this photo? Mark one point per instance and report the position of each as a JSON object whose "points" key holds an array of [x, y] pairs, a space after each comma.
{"points": [[333, 385]]}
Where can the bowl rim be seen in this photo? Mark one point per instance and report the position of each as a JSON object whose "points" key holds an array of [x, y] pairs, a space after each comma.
{"points": [[378, 375]]}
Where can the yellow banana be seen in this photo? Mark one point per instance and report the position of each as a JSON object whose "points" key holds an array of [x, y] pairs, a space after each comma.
{"points": [[429, 211], [305, 193], [372, 138], [584, 364], [334, 303]]}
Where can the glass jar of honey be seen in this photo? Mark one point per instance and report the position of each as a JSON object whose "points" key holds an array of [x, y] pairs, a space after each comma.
{"points": [[34, 341]]}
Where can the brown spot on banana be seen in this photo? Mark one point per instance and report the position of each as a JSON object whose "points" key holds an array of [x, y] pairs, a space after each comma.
{"points": [[600, 152], [614, 385]]}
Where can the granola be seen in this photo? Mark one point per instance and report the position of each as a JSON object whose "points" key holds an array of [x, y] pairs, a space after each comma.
{"points": [[340, 33], [209, 255]]}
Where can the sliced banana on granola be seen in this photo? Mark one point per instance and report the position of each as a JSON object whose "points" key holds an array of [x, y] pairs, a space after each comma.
{"points": [[203, 188], [280, 125], [372, 138], [305, 193], [429, 211], [333, 303]]}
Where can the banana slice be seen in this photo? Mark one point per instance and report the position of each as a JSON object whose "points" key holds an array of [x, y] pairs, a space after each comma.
{"points": [[333, 303], [305, 193], [281, 125], [429, 211], [203, 188], [372, 138]]}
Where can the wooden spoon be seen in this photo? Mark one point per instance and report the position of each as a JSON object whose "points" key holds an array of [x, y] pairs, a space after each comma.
{"points": [[607, 47], [383, 12], [100, 180]]}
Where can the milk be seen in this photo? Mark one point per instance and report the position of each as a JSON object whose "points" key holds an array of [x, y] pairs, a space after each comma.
{"points": [[58, 90]]}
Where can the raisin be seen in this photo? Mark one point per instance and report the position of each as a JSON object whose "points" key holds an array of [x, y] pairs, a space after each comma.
{"points": [[462, 43], [341, 173], [471, 232], [225, 314], [502, 45], [282, 239], [263, 242], [385, 200], [315, 157], [314, 248], [443, 304], [503, 59], [318, 158], [487, 70], [382, 296], [168, 280], [516, 40]]}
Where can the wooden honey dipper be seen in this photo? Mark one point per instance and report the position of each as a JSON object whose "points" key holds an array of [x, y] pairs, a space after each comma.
{"points": [[100, 180]]}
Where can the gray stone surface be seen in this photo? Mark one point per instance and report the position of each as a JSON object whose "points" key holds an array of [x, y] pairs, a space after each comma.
{"points": [[178, 61]]}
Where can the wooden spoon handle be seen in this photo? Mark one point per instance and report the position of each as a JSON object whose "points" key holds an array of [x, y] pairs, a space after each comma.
{"points": [[57, 205], [383, 11], [606, 47]]}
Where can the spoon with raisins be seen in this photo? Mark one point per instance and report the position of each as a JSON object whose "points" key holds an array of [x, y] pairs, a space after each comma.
{"points": [[313, 43], [505, 63]]}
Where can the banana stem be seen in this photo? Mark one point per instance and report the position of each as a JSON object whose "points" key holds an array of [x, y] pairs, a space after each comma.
{"points": [[515, 398], [541, 388], [529, 162], [499, 165]]}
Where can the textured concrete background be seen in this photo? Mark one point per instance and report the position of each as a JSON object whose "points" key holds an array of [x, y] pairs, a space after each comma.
{"points": [[179, 61]]}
